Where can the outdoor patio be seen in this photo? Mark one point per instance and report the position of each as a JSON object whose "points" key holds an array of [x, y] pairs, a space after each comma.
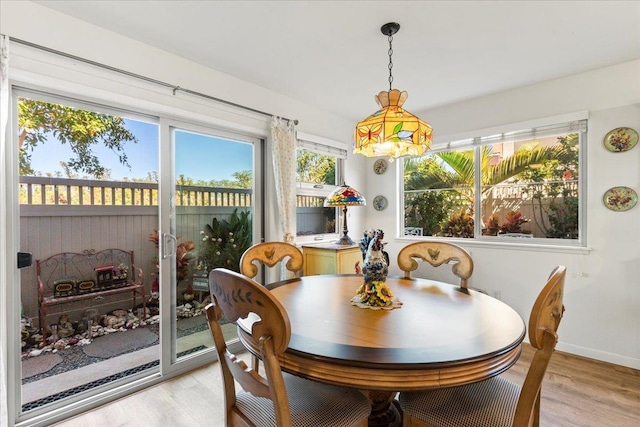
{"points": [[74, 371]]}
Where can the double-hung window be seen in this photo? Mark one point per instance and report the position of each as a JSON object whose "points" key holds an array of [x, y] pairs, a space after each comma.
{"points": [[522, 186], [319, 169]]}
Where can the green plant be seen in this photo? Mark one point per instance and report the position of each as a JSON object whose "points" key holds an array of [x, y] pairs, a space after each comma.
{"points": [[224, 242], [563, 218], [459, 225], [513, 222], [493, 226], [427, 211]]}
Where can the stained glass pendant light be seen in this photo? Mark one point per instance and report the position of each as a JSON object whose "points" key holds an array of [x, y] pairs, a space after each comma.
{"points": [[342, 197], [392, 131]]}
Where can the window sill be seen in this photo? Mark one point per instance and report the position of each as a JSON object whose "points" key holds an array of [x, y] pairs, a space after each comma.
{"points": [[495, 244]]}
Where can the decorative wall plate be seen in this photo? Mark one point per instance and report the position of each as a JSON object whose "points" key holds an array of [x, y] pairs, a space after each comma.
{"points": [[380, 203], [380, 166], [621, 139], [619, 198]]}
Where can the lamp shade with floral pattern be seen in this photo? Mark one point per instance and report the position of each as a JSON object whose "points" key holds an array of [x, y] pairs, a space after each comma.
{"points": [[392, 131], [342, 197]]}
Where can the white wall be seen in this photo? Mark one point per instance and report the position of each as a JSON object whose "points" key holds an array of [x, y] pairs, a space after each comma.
{"points": [[602, 294]]}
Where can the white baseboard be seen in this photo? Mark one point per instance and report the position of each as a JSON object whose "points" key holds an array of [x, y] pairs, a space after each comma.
{"points": [[603, 356]]}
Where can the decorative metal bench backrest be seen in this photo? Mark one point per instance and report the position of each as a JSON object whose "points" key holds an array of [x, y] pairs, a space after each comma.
{"points": [[70, 273]]}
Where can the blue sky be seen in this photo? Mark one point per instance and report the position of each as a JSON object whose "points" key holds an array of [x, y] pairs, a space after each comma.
{"points": [[200, 157], [204, 157]]}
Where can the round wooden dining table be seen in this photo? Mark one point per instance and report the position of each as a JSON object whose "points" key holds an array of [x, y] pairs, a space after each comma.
{"points": [[442, 335]]}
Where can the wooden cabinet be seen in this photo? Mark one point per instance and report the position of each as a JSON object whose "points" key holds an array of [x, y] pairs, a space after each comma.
{"points": [[330, 258]]}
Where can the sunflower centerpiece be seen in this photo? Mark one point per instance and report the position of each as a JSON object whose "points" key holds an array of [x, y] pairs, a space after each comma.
{"points": [[374, 292]]}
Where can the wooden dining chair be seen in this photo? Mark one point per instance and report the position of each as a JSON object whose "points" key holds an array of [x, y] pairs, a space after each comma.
{"points": [[270, 254], [275, 398], [436, 254], [497, 402]]}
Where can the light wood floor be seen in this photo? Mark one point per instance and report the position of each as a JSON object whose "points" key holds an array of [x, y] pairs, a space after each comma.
{"points": [[576, 392]]}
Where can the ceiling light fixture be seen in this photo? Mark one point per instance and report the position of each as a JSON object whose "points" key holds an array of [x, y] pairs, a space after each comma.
{"points": [[392, 131]]}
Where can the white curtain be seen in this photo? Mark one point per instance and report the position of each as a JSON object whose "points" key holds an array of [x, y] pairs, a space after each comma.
{"points": [[283, 151], [4, 121]]}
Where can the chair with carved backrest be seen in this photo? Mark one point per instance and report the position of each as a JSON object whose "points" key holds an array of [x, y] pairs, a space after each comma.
{"points": [[270, 254], [497, 402], [436, 254], [275, 398]]}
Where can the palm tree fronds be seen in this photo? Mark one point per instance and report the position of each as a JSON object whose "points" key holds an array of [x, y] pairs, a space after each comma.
{"points": [[462, 164], [518, 163]]}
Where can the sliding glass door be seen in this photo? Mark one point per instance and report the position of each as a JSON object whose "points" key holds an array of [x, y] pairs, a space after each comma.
{"points": [[212, 223], [125, 214], [88, 202]]}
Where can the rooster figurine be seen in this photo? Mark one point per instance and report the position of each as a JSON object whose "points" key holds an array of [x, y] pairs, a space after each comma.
{"points": [[376, 260], [374, 291]]}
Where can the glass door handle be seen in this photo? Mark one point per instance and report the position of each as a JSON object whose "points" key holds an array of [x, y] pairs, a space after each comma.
{"points": [[168, 240]]}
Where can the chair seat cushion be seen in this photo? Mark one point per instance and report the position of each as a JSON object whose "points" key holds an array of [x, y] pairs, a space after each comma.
{"points": [[311, 404], [490, 403]]}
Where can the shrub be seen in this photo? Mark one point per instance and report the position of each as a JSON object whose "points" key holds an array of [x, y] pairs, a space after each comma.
{"points": [[563, 217], [513, 223], [224, 242], [428, 210], [459, 225]]}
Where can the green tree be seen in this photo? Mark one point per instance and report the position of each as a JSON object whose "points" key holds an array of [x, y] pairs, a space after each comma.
{"points": [[317, 168], [455, 169], [244, 179], [81, 129]]}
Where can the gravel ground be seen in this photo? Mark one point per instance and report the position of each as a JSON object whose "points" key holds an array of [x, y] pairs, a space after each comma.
{"points": [[74, 357]]}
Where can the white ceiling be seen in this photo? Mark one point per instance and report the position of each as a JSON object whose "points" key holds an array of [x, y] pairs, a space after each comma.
{"points": [[332, 54]]}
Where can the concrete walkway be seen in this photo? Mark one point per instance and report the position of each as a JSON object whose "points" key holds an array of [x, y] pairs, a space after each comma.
{"points": [[67, 380], [57, 383]]}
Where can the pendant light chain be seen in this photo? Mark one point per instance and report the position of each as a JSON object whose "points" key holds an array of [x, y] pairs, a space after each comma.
{"points": [[390, 61], [392, 131]]}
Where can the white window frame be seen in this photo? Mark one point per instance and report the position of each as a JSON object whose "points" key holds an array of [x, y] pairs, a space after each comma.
{"points": [[570, 123], [324, 146]]}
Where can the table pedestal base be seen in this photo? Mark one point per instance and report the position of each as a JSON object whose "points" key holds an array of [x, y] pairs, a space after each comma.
{"points": [[383, 411]]}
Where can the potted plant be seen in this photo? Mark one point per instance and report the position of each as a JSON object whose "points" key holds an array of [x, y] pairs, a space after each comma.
{"points": [[493, 226], [513, 222]]}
